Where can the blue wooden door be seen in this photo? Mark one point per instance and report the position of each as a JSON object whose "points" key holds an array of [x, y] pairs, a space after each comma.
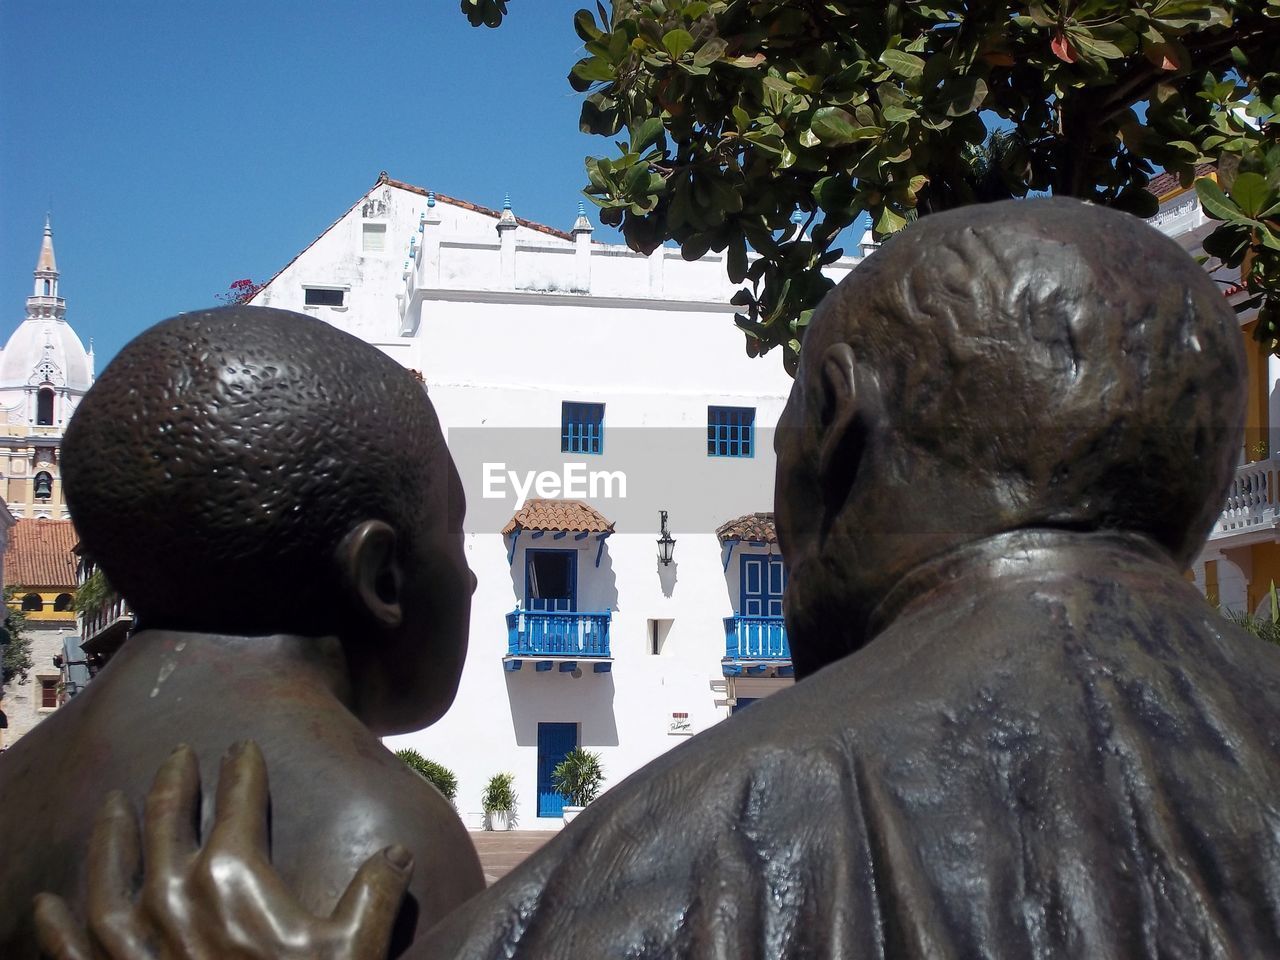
{"points": [[555, 740], [763, 580]]}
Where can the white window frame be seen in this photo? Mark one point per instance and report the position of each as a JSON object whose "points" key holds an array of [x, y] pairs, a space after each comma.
{"points": [[315, 307], [386, 238]]}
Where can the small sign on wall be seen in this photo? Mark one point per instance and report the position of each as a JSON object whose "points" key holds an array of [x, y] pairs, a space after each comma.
{"points": [[680, 725]]}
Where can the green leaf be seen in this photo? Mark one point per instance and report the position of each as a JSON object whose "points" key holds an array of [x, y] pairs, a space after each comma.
{"points": [[736, 258], [835, 126], [905, 65], [1094, 47], [647, 135], [959, 95], [585, 24], [1250, 192], [1269, 239], [710, 52], [592, 70], [677, 42], [696, 247], [1216, 203], [889, 222], [1228, 243]]}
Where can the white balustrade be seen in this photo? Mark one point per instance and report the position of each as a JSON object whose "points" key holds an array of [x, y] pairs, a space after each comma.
{"points": [[1250, 499]]}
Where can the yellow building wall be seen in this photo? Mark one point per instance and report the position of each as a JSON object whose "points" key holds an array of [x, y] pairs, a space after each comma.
{"points": [[49, 596], [1256, 439], [1266, 571]]}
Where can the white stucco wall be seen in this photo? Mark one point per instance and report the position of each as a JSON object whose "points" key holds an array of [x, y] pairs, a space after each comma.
{"points": [[505, 326]]}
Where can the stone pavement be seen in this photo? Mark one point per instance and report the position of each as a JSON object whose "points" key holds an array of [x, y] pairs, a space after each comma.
{"points": [[502, 850]]}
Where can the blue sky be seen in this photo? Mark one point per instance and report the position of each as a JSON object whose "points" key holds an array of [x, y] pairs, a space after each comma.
{"points": [[184, 145]]}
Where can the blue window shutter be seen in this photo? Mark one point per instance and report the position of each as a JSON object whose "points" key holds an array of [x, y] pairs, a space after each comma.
{"points": [[581, 427], [731, 431]]}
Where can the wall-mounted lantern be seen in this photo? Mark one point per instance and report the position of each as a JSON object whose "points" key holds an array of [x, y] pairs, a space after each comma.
{"points": [[666, 544]]}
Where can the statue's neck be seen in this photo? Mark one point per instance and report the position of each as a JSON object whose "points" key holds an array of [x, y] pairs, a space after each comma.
{"points": [[1037, 552], [278, 665]]}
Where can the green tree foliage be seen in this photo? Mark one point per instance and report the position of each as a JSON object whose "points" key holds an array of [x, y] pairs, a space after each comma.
{"points": [[16, 660], [729, 116], [437, 774], [94, 593], [578, 777]]}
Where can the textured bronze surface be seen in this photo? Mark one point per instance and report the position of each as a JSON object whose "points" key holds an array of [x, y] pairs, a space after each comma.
{"points": [[242, 914], [273, 496], [1020, 731]]}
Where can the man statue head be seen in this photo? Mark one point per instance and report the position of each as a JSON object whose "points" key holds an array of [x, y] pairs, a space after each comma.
{"points": [[992, 369], [247, 471]]}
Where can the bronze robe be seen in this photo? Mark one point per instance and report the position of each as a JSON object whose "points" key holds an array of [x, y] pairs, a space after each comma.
{"points": [[1055, 748]]}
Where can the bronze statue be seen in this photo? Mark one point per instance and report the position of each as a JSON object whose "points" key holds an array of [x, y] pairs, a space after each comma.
{"points": [[275, 499], [1020, 732], [359, 927]]}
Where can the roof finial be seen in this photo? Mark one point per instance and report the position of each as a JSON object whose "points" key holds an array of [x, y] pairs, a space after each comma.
{"points": [[46, 264], [797, 215], [582, 224], [508, 219], [431, 198]]}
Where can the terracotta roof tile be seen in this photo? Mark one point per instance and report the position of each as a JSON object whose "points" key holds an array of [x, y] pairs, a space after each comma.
{"points": [[40, 554], [1167, 184], [569, 516], [754, 527]]}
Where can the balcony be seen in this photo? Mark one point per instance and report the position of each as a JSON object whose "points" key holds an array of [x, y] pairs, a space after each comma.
{"points": [[557, 639], [756, 646], [1251, 502], [106, 627]]}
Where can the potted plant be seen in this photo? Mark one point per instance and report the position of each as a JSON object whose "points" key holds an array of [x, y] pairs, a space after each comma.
{"points": [[436, 774], [577, 778], [499, 802]]}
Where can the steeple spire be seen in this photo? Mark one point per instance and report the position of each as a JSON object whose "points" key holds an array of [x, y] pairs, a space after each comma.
{"points": [[44, 300], [46, 263]]}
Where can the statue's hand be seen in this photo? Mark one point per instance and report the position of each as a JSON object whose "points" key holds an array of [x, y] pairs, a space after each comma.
{"points": [[222, 901]]}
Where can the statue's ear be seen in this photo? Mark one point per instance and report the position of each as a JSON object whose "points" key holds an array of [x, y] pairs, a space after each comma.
{"points": [[841, 424], [371, 573]]}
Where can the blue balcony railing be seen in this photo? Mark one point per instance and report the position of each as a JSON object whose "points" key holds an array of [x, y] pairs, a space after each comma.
{"points": [[755, 638], [537, 633]]}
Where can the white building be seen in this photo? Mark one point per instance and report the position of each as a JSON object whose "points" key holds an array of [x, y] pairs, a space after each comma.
{"points": [[607, 386], [44, 371]]}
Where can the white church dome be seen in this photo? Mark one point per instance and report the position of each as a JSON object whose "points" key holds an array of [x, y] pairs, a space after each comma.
{"points": [[45, 350]]}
